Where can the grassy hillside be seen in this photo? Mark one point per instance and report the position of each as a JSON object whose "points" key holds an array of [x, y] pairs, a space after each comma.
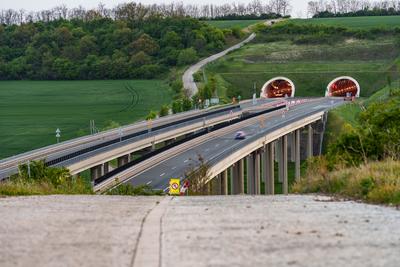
{"points": [[31, 111], [223, 24], [310, 66], [354, 22]]}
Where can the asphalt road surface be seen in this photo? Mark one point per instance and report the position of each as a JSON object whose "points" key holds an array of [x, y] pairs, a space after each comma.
{"points": [[158, 177]]}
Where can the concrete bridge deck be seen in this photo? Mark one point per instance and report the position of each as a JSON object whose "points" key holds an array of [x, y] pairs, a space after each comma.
{"points": [[196, 231]]}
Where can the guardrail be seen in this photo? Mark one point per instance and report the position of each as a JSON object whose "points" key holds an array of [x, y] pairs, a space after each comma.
{"points": [[124, 173]]}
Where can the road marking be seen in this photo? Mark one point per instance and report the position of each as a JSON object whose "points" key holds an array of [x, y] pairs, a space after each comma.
{"points": [[173, 168], [186, 161], [149, 182], [162, 174], [166, 189]]}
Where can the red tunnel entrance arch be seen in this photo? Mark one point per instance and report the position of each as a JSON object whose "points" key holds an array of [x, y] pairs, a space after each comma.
{"points": [[342, 86], [278, 87]]}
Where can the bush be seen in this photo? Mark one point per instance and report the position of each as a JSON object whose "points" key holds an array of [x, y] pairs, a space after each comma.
{"points": [[38, 179], [187, 56], [374, 182], [130, 190], [164, 111], [151, 116], [186, 104], [377, 136], [177, 106]]}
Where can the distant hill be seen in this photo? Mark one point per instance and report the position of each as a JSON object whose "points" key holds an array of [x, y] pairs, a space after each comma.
{"points": [[354, 22], [311, 55], [103, 48]]}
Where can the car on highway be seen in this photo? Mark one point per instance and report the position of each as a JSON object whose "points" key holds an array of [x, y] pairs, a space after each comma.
{"points": [[240, 135]]}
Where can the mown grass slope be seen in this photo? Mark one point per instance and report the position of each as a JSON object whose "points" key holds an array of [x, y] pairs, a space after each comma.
{"points": [[354, 22], [31, 111], [224, 24]]}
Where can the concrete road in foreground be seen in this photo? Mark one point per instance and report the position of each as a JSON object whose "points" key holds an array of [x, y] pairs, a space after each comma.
{"points": [[196, 231]]}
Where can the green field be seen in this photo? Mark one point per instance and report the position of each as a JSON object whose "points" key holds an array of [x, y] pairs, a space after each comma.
{"points": [[355, 22], [224, 24], [31, 111], [310, 67]]}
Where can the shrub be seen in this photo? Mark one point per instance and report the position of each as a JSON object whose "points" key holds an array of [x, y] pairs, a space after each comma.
{"points": [[38, 179], [373, 182], [130, 190], [187, 56], [164, 111]]}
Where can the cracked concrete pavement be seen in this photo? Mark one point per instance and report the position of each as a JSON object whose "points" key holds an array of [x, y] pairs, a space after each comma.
{"points": [[196, 231]]}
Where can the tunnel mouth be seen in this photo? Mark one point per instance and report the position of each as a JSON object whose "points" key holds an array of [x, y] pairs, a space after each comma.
{"points": [[277, 88], [343, 86]]}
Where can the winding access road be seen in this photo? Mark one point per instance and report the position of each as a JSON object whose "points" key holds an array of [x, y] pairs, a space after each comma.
{"points": [[188, 81]]}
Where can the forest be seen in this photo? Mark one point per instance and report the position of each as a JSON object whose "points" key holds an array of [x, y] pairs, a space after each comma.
{"points": [[103, 48]]}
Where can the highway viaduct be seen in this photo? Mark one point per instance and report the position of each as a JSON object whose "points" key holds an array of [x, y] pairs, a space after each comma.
{"points": [[231, 161], [96, 151]]}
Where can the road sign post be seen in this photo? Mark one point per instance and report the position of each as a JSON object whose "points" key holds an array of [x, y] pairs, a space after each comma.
{"points": [[58, 135], [174, 187]]}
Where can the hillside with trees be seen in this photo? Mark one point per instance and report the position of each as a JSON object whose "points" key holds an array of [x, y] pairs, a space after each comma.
{"points": [[103, 48]]}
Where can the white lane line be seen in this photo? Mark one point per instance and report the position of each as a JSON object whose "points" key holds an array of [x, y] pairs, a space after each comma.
{"points": [[149, 182], [186, 161], [173, 168], [162, 174]]}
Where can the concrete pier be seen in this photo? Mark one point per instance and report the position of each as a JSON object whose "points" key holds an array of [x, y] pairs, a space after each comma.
{"points": [[238, 178], [269, 169], [310, 133], [123, 160], [284, 163], [224, 182], [96, 172], [297, 154]]}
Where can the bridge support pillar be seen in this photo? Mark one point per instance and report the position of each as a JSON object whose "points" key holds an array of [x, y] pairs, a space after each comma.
{"points": [[310, 134], [250, 174], [123, 160], [238, 178], [96, 172], [297, 154], [293, 147], [284, 165], [280, 160], [253, 173], [269, 170], [106, 168], [216, 185], [224, 182], [257, 172]]}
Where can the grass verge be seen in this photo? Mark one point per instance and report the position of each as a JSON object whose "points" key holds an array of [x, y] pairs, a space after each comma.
{"points": [[373, 182]]}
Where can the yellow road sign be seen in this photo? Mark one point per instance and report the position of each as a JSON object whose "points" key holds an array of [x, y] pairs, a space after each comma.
{"points": [[174, 186]]}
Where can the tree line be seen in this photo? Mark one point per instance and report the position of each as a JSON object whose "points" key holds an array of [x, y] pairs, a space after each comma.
{"points": [[134, 46], [255, 8], [352, 8]]}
